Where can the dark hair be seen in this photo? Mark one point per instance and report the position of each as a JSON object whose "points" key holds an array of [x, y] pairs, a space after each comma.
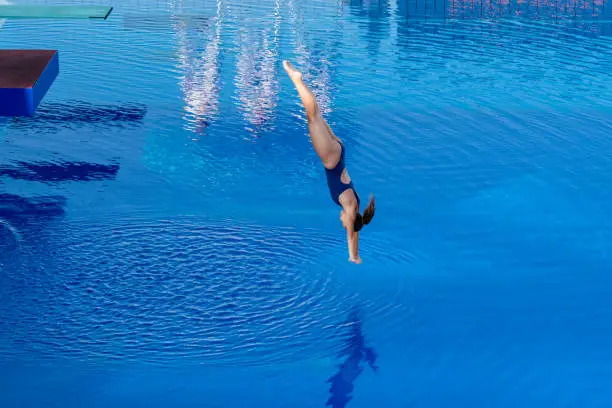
{"points": [[368, 214]]}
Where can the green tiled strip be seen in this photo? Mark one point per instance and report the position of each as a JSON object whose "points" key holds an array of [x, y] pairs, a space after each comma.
{"points": [[32, 11]]}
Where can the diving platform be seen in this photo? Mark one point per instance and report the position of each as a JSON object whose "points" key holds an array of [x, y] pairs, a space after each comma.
{"points": [[25, 78]]}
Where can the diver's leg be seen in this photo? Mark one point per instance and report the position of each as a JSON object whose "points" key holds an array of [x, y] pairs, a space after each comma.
{"points": [[323, 139]]}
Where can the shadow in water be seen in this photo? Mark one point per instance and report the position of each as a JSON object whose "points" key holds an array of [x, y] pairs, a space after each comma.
{"points": [[61, 171], [56, 114], [24, 215], [355, 352], [18, 210]]}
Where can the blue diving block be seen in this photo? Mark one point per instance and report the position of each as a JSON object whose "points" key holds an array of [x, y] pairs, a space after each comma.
{"points": [[25, 78]]}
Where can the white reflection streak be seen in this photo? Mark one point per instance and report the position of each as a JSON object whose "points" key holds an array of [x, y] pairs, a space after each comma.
{"points": [[319, 83], [393, 22], [3, 3], [200, 82], [256, 73]]}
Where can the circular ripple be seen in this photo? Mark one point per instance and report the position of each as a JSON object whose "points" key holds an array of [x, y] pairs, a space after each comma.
{"points": [[186, 291]]}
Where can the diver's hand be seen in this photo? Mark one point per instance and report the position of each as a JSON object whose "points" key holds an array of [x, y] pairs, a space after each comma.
{"points": [[355, 260]]}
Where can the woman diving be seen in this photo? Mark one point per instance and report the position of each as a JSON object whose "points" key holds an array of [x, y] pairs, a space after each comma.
{"points": [[331, 151]]}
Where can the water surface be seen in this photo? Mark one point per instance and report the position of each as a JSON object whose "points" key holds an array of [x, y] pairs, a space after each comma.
{"points": [[167, 237]]}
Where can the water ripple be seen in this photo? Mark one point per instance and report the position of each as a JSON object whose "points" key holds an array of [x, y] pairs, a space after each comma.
{"points": [[164, 292], [485, 139]]}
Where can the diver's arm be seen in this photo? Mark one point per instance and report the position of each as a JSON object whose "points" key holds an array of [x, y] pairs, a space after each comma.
{"points": [[350, 210], [352, 238]]}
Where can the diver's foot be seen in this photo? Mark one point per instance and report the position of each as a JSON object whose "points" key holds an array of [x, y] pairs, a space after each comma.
{"points": [[294, 74]]}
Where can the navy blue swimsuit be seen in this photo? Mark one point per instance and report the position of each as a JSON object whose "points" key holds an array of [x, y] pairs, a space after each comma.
{"points": [[334, 180]]}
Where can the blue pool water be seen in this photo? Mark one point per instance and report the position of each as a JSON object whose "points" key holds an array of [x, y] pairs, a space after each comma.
{"points": [[167, 239]]}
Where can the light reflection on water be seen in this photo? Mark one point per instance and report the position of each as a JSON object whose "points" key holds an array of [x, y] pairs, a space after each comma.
{"points": [[198, 56]]}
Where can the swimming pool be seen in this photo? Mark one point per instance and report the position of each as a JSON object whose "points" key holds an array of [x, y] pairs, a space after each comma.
{"points": [[168, 240]]}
